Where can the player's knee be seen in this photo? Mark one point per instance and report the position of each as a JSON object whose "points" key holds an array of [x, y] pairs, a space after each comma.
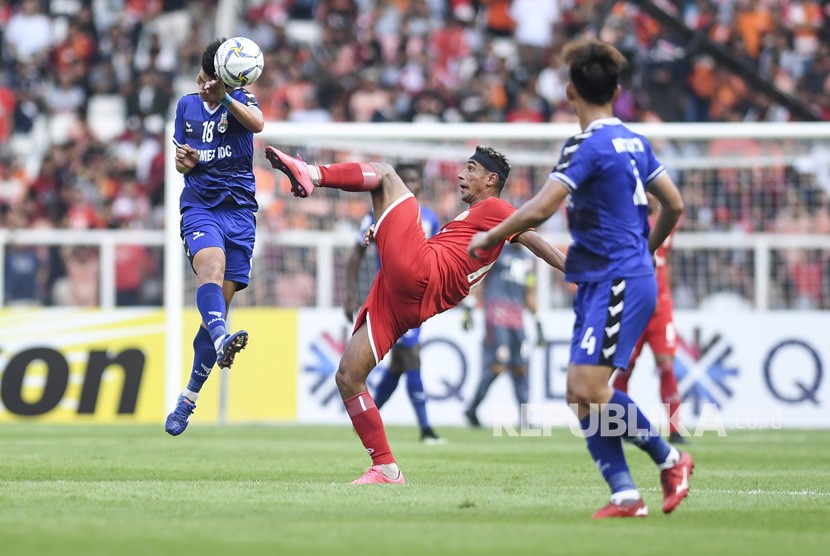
{"points": [[519, 371], [348, 379], [581, 394]]}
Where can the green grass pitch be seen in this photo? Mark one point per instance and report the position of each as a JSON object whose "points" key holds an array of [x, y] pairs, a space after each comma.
{"points": [[277, 490]]}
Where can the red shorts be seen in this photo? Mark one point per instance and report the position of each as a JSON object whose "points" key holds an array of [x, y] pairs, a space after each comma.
{"points": [[659, 333], [407, 264]]}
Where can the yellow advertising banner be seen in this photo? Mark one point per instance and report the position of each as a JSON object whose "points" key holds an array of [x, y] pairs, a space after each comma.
{"points": [[93, 365], [262, 385], [78, 365]]}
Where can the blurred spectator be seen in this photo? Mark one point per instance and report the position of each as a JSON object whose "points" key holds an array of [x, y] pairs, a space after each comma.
{"points": [[79, 287], [24, 271], [28, 34], [135, 271], [87, 87]]}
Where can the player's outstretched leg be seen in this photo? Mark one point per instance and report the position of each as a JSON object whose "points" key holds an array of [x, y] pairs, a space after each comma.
{"points": [[180, 416], [346, 176], [230, 345], [294, 168], [675, 481]]}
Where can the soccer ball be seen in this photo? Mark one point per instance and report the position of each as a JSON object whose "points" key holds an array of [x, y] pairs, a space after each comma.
{"points": [[239, 62]]}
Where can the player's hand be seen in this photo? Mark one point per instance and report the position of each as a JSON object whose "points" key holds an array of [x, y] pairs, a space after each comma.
{"points": [[215, 89], [479, 243], [540, 336], [187, 156], [467, 319], [369, 235]]}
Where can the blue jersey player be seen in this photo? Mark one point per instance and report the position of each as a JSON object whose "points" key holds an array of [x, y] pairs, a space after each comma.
{"points": [[405, 356], [214, 136], [604, 171]]}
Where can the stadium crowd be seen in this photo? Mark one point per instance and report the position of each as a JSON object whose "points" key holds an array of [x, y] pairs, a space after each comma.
{"points": [[87, 85]]}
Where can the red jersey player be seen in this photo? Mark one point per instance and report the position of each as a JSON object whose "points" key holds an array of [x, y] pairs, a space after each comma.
{"points": [[418, 277], [661, 337]]}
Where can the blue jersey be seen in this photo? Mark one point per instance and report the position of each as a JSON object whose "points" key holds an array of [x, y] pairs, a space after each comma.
{"points": [[226, 153], [606, 170]]}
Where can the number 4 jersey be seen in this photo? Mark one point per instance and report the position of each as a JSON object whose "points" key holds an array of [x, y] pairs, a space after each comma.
{"points": [[226, 153], [606, 169]]}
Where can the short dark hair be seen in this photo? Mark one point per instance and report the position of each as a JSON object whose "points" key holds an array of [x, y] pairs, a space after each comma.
{"points": [[494, 157], [406, 166], [209, 54], [594, 68]]}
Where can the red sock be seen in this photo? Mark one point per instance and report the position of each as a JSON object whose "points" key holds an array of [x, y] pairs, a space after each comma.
{"points": [[369, 427], [349, 176], [668, 393], [621, 379]]}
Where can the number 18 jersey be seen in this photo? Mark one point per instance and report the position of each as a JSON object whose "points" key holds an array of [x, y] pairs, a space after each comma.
{"points": [[226, 148]]}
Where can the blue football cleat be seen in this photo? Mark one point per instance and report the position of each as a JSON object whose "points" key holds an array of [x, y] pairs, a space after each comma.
{"points": [[179, 417], [231, 345]]}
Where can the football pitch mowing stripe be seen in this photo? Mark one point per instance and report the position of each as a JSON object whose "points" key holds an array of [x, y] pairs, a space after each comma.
{"points": [[131, 489]]}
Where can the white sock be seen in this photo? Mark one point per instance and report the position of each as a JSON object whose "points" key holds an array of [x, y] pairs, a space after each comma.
{"points": [[192, 396], [390, 470], [671, 460], [625, 497], [314, 174], [217, 345]]}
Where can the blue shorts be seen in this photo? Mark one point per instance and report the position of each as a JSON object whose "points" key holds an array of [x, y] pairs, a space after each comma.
{"points": [[611, 315], [410, 338], [228, 227], [505, 346]]}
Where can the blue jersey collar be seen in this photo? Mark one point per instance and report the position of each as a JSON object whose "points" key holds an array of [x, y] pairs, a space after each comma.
{"points": [[602, 122]]}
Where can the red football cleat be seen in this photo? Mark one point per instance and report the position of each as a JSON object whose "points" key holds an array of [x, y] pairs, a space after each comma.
{"points": [[294, 168], [675, 482], [374, 475], [637, 509]]}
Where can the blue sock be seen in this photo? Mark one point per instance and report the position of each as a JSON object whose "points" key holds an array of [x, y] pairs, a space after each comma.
{"points": [[386, 387], [417, 396], [487, 378], [607, 452], [204, 357], [211, 305], [645, 436]]}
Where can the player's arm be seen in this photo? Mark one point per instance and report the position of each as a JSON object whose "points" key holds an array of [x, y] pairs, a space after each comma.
{"points": [[671, 207], [542, 249], [249, 116], [531, 214]]}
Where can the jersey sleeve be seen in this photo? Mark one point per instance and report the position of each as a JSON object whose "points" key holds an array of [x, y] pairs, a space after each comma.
{"points": [[430, 221], [365, 222], [575, 164], [178, 125], [245, 97], [654, 168]]}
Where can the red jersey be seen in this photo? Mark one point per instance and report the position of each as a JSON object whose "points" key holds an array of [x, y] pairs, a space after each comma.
{"points": [[458, 271], [419, 278]]}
